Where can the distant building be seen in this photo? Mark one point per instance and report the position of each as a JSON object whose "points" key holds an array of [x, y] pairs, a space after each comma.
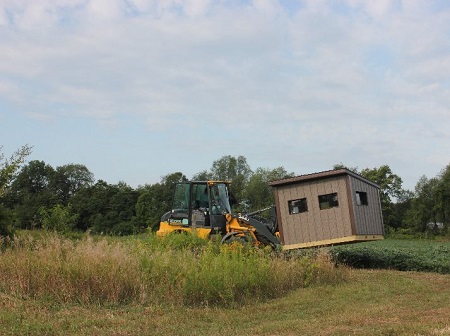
{"points": [[435, 226], [331, 207]]}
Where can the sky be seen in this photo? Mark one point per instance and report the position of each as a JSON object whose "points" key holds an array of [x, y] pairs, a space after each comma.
{"points": [[138, 89]]}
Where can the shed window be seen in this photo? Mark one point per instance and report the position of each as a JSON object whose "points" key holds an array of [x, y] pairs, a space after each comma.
{"points": [[361, 198], [298, 206], [328, 201]]}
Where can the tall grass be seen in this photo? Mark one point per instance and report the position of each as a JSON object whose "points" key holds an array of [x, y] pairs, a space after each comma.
{"points": [[68, 271], [180, 270]]}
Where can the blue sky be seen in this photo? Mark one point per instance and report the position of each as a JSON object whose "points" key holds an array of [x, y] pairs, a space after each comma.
{"points": [[137, 89]]}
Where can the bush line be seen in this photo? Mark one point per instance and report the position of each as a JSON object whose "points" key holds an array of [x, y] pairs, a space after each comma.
{"points": [[402, 255]]}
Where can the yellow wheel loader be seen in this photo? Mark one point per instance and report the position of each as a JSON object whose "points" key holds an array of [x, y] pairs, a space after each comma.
{"points": [[320, 209], [204, 208]]}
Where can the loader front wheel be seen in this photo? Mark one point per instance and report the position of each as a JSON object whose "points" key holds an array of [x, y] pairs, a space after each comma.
{"points": [[234, 238]]}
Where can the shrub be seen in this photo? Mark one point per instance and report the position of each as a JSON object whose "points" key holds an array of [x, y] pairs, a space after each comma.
{"points": [[59, 218], [6, 229], [401, 255]]}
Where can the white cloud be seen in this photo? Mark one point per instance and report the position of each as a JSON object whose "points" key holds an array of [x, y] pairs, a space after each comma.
{"points": [[316, 80]]}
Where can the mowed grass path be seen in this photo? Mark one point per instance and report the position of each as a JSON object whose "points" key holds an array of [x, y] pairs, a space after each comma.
{"points": [[377, 302]]}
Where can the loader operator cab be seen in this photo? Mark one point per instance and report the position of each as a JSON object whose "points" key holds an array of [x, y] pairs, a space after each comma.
{"points": [[200, 205]]}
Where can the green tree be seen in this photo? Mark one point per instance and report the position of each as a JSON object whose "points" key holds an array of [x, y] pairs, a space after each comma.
{"points": [[423, 208], [69, 179], [31, 191], [122, 210], [443, 198], [150, 205], [10, 167], [401, 209], [106, 209], [204, 175], [8, 172], [258, 193], [6, 228], [431, 204], [390, 184], [234, 169], [89, 203], [58, 218], [155, 200]]}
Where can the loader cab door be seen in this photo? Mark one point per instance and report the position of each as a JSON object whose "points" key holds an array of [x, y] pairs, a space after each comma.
{"points": [[191, 205], [179, 214], [219, 206], [201, 204]]}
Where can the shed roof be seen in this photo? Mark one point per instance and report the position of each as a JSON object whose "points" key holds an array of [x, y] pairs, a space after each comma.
{"points": [[321, 175]]}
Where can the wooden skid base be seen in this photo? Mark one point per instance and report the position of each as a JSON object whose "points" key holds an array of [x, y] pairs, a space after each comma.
{"points": [[335, 241]]}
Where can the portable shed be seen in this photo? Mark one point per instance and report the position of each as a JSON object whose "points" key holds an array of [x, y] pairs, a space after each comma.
{"points": [[326, 208]]}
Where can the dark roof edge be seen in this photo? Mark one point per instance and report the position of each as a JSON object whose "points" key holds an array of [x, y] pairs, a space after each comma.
{"points": [[321, 175]]}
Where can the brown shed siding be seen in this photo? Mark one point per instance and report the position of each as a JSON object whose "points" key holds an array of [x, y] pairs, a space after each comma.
{"points": [[343, 223], [314, 224], [368, 219]]}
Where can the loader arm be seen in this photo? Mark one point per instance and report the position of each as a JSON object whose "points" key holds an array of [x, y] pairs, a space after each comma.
{"points": [[263, 232]]}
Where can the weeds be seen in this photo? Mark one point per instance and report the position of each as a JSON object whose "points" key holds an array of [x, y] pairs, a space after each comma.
{"points": [[179, 270], [65, 271]]}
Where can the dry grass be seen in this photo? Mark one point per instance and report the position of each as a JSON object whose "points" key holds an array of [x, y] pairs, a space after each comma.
{"points": [[142, 272], [66, 271], [370, 303]]}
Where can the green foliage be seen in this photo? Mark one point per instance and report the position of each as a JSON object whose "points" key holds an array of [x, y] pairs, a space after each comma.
{"points": [[259, 193], [9, 167], [8, 172], [423, 210], [403, 255], [340, 165], [6, 228], [228, 277], [30, 192], [204, 175], [178, 241], [106, 209], [155, 200], [390, 184], [443, 198], [67, 180], [194, 272], [431, 204], [58, 218], [234, 169]]}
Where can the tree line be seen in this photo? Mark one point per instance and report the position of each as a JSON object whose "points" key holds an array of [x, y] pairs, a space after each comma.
{"points": [[67, 198]]}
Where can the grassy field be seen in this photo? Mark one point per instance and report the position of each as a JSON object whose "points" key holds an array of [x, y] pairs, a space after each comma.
{"points": [[55, 286], [369, 303]]}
